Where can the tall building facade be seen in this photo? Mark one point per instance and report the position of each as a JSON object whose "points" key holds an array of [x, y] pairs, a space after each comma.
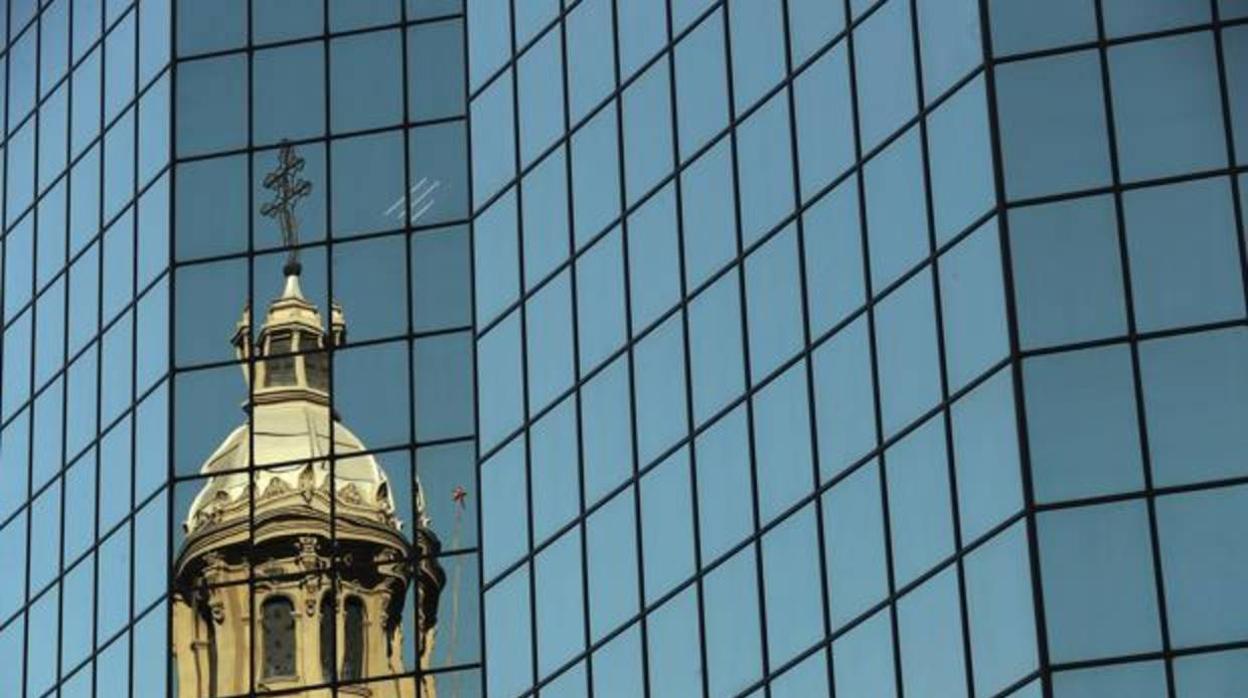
{"points": [[754, 348]]}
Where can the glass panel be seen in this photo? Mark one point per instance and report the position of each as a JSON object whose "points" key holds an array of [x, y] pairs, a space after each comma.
{"points": [[960, 155], [985, 451], [757, 33], [1167, 110], [811, 24], [725, 515], [854, 545], [1081, 422], [378, 101], [919, 504], [1124, 17], [1097, 562], [1000, 611], [1213, 675], [493, 138], [600, 300], [701, 85], [715, 349], [548, 324], [862, 660], [288, 93], [1182, 236], [896, 215], [591, 55], [1203, 575], [791, 584], [545, 210], [1052, 145], [612, 567], [667, 525], [708, 214], [950, 43], [660, 390], [595, 170], [733, 637], [647, 131], [653, 258], [782, 442], [1145, 680], [909, 366], [929, 621], [773, 298], [884, 57], [560, 605], [211, 103], [824, 116], [1067, 274], [1023, 25], [607, 429], [972, 299], [675, 666], [504, 511], [1196, 401], [844, 399], [510, 645], [764, 169], [540, 76]]}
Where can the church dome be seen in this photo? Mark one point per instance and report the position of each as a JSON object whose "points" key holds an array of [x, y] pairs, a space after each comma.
{"points": [[295, 435], [283, 453]]}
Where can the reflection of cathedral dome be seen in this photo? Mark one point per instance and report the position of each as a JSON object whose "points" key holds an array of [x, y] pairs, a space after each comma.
{"points": [[329, 564], [296, 435]]}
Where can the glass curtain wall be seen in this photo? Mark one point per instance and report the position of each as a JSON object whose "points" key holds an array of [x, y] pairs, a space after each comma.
{"points": [[875, 348], [84, 493], [370, 97]]}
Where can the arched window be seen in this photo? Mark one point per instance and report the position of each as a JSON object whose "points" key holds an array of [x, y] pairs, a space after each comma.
{"points": [[353, 637], [327, 638], [277, 622]]}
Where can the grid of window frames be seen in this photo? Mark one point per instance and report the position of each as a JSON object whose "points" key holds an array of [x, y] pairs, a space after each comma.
{"points": [[861, 348], [371, 96], [85, 144]]}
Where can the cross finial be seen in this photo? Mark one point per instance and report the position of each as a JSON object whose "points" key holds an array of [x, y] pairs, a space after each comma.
{"points": [[287, 187]]}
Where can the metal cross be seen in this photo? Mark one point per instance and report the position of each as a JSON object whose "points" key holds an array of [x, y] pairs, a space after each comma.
{"points": [[287, 188]]}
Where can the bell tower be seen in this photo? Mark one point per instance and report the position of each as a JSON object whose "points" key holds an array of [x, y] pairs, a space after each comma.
{"points": [[295, 569]]}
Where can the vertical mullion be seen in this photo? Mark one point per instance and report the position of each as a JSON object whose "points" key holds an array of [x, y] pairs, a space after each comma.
{"points": [[35, 26], [1134, 342], [64, 263], [569, 212], [473, 340], [687, 355], [415, 493], [521, 310], [1227, 125], [946, 412], [865, 239], [330, 350], [96, 342], [807, 353], [133, 305], [255, 312], [756, 523], [1016, 357], [170, 358], [634, 487]]}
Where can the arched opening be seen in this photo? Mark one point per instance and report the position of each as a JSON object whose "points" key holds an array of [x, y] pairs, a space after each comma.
{"points": [[327, 638], [277, 622], [353, 638]]}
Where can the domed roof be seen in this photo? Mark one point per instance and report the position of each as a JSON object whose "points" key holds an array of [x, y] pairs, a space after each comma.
{"points": [[285, 446], [295, 435]]}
